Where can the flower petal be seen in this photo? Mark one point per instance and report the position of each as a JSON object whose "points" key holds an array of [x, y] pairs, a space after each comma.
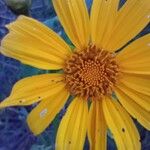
{"points": [[74, 17], [132, 18], [33, 89], [121, 125], [97, 129], [140, 99], [140, 83], [103, 16], [72, 130], [135, 57], [41, 116], [134, 109], [34, 44]]}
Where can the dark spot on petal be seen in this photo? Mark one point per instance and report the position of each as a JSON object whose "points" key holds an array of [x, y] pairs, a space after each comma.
{"points": [[69, 142], [123, 130]]}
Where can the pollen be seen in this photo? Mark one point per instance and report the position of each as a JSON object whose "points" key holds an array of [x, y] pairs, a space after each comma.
{"points": [[91, 73]]}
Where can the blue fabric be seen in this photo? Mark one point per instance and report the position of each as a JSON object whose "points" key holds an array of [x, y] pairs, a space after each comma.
{"points": [[6, 16], [41, 9]]}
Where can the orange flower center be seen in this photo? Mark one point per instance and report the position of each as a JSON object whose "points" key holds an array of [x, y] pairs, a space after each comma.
{"points": [[91, 73]]}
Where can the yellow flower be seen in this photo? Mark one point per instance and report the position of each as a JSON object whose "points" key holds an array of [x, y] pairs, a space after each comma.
{"points": [[91, 72]]}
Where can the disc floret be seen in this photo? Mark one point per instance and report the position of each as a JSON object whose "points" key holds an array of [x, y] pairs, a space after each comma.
{"points": [[91, 73]]}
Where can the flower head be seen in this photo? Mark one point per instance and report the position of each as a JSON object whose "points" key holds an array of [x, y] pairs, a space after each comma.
{"points": [[93, 71]]}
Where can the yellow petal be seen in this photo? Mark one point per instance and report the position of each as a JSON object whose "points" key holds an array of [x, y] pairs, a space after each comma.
{"points": [[33, 89], [132, 18], [135, 57], [74, 17], [32, 43], [97, 130], [140, 83], [72, 130], [140, 99], [41, 116], [121, 125], [134, 109], [103, 16]]}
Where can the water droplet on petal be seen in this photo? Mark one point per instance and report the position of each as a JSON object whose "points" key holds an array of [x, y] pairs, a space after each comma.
{"points": [[43, 113]]}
